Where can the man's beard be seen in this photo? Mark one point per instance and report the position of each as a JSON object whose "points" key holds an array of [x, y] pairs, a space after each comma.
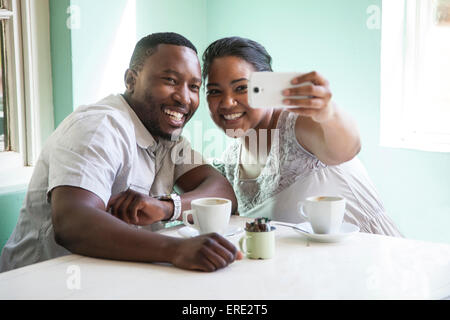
{"points": [[153, 124], [154, 128]]}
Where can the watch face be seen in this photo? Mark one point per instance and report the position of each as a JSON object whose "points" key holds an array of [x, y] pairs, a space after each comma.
{"points": [[164, 197], [168, 197]]}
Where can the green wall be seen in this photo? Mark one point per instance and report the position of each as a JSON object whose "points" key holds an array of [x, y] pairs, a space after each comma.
{"points": [[10, 204], [61, 52], [332, 37], [325, 35], [189, 19]]}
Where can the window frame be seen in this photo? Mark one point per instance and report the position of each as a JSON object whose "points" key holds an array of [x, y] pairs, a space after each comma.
{"points": [[28, 87], [5, 16]]}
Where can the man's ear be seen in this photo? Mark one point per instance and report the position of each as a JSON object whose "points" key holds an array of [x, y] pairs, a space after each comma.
{"points": [[130, 80]]}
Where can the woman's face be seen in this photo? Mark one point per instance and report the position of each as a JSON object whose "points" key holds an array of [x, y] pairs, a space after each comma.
{"points": [[227, 97]]}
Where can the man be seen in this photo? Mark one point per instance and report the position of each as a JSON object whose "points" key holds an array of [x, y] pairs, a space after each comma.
{"points": [[123, 147]]}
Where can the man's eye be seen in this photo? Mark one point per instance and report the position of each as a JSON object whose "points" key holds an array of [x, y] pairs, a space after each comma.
{"points": [[195, 87], [171, 80], [241, 88]]}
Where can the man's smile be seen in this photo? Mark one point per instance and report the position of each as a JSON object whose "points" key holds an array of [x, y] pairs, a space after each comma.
{"points": [[176, 117]]}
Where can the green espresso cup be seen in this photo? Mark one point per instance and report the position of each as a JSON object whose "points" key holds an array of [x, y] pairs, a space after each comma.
{"points": [[258, 245]]}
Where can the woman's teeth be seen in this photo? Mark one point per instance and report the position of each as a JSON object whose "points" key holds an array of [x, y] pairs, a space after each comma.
{"points": [[174, 115], [233, 116]]}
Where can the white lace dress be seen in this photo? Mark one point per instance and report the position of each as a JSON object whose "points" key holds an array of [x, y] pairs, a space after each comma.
{"points": [[292, 174]]}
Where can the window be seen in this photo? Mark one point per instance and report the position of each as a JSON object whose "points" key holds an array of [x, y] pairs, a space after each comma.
{"points": [[415, 75], [26, 112], [3, 124], [4, 134]]}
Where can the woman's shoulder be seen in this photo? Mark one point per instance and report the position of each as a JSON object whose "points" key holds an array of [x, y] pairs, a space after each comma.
{"points": [[291, 152], [286, 119], [227, 161], [231, 153], [286, 124], [286, 128]]}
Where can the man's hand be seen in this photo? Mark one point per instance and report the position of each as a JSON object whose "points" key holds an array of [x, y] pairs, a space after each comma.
{"points": [[82, 226], [139, 209], [208, 252], [318, 106]]}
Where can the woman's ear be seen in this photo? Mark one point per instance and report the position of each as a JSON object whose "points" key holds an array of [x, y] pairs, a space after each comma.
{"points": [[130, 80]]}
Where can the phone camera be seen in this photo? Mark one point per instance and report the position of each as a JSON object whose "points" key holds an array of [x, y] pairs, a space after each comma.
{"points": [[256, 90]]}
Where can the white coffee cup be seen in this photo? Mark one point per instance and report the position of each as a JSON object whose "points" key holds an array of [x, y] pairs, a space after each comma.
{"points": [[324, 213], [209, 215]]}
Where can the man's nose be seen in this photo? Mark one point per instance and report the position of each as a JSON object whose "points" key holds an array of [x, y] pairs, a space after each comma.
{"points": [[182, 95]]}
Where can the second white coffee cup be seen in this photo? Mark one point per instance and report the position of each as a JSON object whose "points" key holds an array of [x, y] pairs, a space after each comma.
{"points": [[324, 213], [209, 215]]}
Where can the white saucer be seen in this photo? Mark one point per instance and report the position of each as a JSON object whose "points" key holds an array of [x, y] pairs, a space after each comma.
{"points": [[347, 230], [188, 232]]}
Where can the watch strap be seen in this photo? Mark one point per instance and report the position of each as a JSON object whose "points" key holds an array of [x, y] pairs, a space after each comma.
{"points": [[176, 206]]}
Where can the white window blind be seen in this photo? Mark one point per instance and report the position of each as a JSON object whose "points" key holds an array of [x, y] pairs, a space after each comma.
{"points": [[415, 75]]}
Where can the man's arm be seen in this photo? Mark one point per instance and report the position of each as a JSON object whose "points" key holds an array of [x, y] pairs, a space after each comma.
{"points": [[200, 182], [204, 181], [82, 226]]}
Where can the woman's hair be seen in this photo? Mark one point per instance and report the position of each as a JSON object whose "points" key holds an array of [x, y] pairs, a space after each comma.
{"points": [[249, 50]]}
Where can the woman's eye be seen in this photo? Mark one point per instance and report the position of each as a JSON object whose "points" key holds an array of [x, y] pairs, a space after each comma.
{"points": [[241, 88], [195, 87], [212, 91]]}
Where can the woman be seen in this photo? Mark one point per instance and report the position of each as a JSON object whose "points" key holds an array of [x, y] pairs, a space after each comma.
{"points": [[311, 147]]}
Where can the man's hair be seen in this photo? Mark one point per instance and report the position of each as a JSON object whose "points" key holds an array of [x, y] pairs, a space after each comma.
{"points": [[148, 46], [249, 50]]}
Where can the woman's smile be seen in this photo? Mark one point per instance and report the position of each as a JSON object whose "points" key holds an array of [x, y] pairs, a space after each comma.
{"points": [[233, 116], [227, 95]]}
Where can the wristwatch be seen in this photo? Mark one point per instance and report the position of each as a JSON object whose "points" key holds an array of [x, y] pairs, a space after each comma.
{"points": [[176, 204]]}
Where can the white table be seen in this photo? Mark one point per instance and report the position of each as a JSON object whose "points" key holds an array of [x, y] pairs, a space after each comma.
{"points": [[362, 267]]}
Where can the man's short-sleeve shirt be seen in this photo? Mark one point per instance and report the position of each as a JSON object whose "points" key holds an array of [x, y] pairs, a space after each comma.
{"points": [[103, 148]]}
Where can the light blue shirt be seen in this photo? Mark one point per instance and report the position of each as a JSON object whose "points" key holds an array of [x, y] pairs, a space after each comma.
{"points": [[103, 148]]}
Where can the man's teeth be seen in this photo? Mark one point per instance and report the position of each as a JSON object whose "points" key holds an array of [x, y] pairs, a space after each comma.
{"points": [[233, 116], [174, 115]]}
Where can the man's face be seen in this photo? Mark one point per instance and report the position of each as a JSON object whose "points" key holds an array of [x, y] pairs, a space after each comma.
{"points": [[165, 93]]}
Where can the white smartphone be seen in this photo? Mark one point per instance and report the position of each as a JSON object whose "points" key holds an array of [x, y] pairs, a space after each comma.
{"points": [[265, 89]]}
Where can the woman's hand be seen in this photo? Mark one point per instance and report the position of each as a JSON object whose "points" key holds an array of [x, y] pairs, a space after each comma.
{"points": [[139, 209], [317, 106]]}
